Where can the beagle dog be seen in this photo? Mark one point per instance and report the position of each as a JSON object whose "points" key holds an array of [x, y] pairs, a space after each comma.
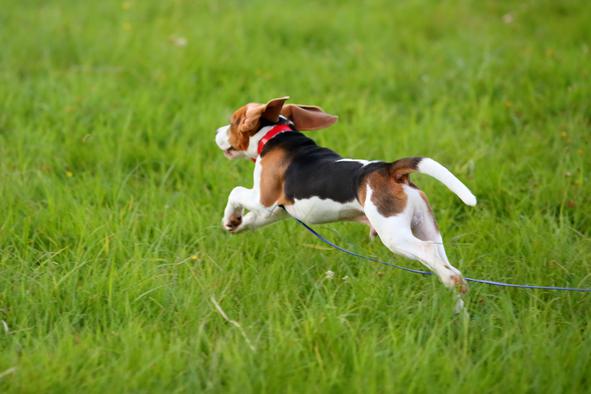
{"points": [[294, 176]]}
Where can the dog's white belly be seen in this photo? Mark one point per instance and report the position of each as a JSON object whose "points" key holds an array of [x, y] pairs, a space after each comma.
{"points": [[323, 210]]}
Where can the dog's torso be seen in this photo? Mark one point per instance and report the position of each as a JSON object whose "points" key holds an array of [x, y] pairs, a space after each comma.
{"points": [[319, 186]]}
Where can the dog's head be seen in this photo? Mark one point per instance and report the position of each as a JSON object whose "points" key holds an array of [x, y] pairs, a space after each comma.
{"points": [[241, 136]]}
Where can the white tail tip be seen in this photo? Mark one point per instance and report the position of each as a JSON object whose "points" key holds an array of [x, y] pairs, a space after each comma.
{"points": [[470, 200], [431, 167]]}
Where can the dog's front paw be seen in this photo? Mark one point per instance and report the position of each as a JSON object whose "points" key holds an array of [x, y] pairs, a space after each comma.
{"points": [[232, 223]]}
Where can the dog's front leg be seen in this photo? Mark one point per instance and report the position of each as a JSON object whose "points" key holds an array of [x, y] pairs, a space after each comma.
{"points": [[242, 198], [239, 199]]}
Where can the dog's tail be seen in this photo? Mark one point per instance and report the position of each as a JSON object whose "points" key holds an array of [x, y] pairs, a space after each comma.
{"points": [[401, 168]]}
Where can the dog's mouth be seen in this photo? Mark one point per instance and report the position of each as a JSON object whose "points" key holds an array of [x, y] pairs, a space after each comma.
{"points": [[230, 153]]}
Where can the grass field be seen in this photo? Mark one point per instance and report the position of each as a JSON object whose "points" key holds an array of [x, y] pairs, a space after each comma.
{"points": [[112, 190]]}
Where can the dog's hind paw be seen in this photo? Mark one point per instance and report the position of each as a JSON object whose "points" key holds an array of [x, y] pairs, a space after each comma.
{"points": [[372, 234], [460, 284]]}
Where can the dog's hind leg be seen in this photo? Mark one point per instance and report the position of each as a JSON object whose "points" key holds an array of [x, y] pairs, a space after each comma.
{"points": [[396, 233], [424, 227]]}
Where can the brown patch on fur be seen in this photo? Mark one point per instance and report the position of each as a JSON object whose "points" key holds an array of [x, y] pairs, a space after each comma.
{"points": [[424, 197], [274, 163], [362, 191], [387, 194], [402, 168], [244, 124]]}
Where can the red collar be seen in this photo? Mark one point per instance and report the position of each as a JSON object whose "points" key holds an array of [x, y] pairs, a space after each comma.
{"points": [[277, 129]]}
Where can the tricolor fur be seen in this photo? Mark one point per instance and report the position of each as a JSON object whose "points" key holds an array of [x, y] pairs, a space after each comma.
{"points": [[294, 176]]}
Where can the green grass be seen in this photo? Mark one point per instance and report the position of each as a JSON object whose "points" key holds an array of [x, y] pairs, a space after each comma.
{"points": [[112, 190]]}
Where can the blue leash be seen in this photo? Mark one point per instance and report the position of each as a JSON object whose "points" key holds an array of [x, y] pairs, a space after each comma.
{"points": [[487, 282]]}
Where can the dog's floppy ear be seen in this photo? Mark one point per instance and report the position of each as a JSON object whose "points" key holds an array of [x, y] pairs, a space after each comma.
{"points": [[308, 117], [255, 112], [273, 109]]}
